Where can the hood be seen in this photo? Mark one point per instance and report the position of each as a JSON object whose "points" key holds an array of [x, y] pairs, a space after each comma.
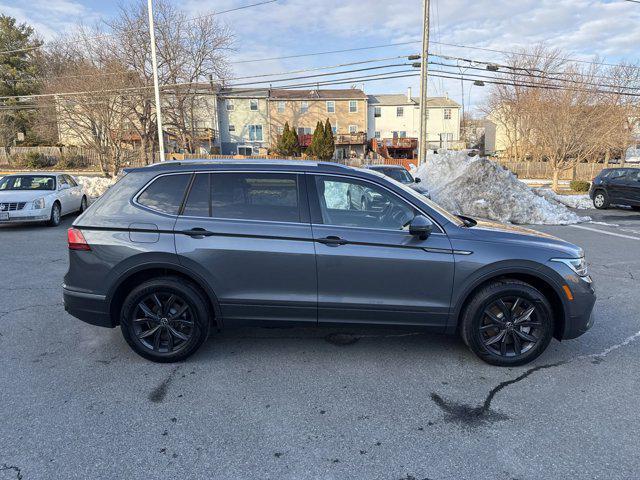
{"points": [[418, 187], [23, 195], [496, 231]]}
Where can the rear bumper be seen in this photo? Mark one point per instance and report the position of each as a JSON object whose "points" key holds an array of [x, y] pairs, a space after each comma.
{"points": [[88, 307]]}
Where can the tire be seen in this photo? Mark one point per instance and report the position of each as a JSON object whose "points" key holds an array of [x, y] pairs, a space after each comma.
{"points": [[56, 215], [165, 343], [83, 204], [601, 200], [478, 329]]}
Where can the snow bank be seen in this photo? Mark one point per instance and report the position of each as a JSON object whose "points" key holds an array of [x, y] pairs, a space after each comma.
{"points": [[478, 187], [95, 186], [579, 202]]}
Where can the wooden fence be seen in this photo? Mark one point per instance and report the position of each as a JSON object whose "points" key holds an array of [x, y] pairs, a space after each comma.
{"points": [[543, 170]]}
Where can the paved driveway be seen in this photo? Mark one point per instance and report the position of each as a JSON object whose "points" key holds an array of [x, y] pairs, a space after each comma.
{"points": [[76, 403]]}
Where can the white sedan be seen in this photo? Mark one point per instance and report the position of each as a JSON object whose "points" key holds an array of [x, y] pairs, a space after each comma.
{"points": [[39, 197]]}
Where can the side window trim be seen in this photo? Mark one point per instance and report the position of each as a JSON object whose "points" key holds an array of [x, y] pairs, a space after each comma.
{"points": [[135, 198], [316, 213]]}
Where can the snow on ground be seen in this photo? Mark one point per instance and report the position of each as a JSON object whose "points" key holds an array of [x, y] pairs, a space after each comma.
{"points": [[94, 186], [579, 202], [478, 187]]}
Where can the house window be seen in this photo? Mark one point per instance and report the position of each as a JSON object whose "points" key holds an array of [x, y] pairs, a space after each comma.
{"points": [[304, 107], [402, 134], [279, 130], [304, 131], [353, 106], [377, 112], [331, 106], [376, 134], [280, 106], [447, 114], [334, 129], [232, 128], [246, 151], [253, 104], [353, 129], [255, 133], [230, 106], [400, 112]]}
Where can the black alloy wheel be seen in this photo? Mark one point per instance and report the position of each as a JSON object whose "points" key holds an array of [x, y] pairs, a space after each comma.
{"points": [[510, 326], [165, 319]]}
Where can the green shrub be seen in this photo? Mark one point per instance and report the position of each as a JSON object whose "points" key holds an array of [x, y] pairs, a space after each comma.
{"points": [[579, 186], [35, 160]]}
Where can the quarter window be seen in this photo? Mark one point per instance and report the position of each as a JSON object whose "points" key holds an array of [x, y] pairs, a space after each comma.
{"points": [[165, 194], [355, 203]]}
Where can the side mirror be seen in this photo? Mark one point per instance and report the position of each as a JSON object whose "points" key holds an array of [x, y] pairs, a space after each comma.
{"points": [[417, 180], [421, 227]]}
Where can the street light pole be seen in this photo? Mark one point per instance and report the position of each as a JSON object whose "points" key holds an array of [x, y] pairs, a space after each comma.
{"points": [[156, 87], [424, 112]]}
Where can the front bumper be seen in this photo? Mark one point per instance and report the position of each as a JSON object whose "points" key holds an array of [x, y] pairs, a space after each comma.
{"points": [[579, 317], [88, 307], [24, 216]]}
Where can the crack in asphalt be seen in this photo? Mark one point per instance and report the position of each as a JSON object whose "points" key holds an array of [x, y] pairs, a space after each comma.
{"points": [[18, 471], [21, 309], [159, 393], [471, 416]]}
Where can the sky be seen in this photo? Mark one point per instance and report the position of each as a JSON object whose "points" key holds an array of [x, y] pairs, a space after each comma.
{"points": [[586, 29]]}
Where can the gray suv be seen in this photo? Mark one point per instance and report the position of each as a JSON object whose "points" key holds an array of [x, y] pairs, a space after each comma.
{"points": [[176, 250]]}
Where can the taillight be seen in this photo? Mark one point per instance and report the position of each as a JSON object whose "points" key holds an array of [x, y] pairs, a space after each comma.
{"points": [[76, 240]]}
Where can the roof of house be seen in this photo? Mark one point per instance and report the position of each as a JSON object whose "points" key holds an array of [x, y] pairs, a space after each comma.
{"points": [[315, 94], [401, 99], [244, 92]]}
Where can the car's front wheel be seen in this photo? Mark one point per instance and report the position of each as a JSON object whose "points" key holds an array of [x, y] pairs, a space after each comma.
{"points": [[507, 323], [56, 215], [601, 200], [165, 319]]}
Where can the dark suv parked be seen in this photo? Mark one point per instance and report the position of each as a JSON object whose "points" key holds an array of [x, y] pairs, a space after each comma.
{"points": [[173, 251], [400, 174], [616, 186]]}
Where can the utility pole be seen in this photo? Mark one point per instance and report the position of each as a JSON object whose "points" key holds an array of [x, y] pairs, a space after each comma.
{"points": [[424, 112], [156, 87]]}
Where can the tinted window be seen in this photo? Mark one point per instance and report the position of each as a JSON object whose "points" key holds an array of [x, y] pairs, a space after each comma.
{"points": [[165, 194], [198, 202], [353, 203], [63, 181], [255, 196], [633, 176], [71, 181]]}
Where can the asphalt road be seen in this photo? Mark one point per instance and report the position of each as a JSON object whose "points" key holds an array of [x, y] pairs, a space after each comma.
{"points": [[76, 403]]}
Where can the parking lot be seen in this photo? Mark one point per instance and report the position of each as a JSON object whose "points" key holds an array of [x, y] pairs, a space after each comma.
{"points": [[297, 403]]}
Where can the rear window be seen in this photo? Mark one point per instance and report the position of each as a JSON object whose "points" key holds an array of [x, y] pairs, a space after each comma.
{"points": [[165, 194], [245, 196]]}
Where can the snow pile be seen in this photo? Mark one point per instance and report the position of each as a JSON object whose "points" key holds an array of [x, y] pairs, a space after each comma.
{"points": [[478, 187], [95, 186], [579, 202]]}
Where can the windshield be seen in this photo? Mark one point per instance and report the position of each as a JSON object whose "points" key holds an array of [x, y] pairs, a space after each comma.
{"points": [[399, 174], [28, 182], [449, 216]]}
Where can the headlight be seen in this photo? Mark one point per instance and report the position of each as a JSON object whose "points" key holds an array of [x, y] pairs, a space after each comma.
{"points": [[578, 265], [38, 204]]}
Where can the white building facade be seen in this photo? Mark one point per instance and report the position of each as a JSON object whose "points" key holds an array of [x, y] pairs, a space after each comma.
{"points": [[398, 116]]}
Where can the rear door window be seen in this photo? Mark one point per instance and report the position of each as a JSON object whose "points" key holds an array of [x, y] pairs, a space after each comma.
{"points": [[198, 204], [165, 194], [255, 196]]}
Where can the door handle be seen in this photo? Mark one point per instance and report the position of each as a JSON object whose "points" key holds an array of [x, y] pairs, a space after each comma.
{"points": [[197, 233], [332, 241]]}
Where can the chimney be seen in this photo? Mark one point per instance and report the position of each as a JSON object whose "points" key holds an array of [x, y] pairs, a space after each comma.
{"points": [[409, 94]]}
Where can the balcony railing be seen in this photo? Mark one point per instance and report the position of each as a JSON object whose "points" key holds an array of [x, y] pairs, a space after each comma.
{"points": [[399, 142], [359, 138]]}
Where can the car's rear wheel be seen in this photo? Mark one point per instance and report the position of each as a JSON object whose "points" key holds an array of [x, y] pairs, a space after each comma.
{"points": [[601, 200], [165, 319], [507, 323], [56, 215]]}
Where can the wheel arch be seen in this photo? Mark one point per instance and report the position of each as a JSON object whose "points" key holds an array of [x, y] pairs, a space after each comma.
{"points": [[546, 285], [137, 275]]}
